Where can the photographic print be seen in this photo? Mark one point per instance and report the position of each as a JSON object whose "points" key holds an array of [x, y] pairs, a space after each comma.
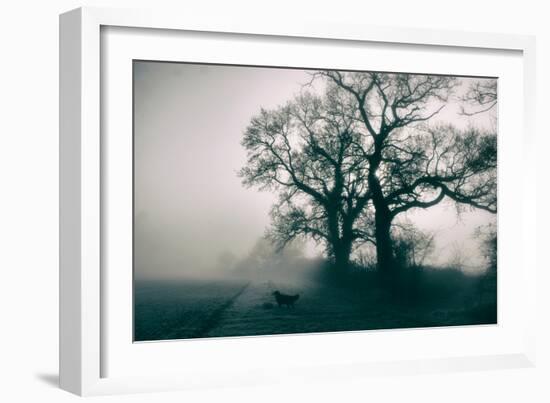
{"points": [[274, 200]]}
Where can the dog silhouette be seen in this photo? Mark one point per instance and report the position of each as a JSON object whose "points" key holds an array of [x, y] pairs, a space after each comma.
{"points": [[283, 299]]}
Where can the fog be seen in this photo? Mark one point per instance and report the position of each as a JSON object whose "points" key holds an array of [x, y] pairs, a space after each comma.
{"points": [[193, 217]]}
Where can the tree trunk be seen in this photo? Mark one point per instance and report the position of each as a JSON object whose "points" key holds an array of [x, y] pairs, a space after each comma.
{"points": [[342, 254], [382, 223], [384, 245], [340, 242]]}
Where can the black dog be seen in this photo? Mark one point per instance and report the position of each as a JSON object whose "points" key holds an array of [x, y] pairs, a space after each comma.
{"points": [[283, 299]]}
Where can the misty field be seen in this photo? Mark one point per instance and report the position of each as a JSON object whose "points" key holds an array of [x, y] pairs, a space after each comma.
{"points": [[366, 199], [222, 308]]}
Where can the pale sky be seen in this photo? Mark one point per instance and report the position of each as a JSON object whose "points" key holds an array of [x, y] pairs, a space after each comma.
{"points": [[190, 205]]}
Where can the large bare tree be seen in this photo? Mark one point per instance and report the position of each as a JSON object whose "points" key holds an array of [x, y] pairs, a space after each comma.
{"points": [[307, 151], [412, 164], [347, 162]]}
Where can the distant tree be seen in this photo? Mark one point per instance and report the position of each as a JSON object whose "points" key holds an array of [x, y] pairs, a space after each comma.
{"points": [[487, 283], [226, 260], [487, 235], [264, 254], [412, 246], [457, 259], [409, 164]]}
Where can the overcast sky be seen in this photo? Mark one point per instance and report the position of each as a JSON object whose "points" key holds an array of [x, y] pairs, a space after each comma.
{"points": [[190, 206]]}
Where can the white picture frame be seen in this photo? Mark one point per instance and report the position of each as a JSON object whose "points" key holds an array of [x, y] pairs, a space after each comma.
{"points": [[86, 345]]}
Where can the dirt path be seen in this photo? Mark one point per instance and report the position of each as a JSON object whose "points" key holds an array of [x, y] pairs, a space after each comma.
{"points": [[213, 320]]}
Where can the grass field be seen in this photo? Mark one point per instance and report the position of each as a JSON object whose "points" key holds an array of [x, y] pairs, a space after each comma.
{"points": [[218, 308], [165, 310]]}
